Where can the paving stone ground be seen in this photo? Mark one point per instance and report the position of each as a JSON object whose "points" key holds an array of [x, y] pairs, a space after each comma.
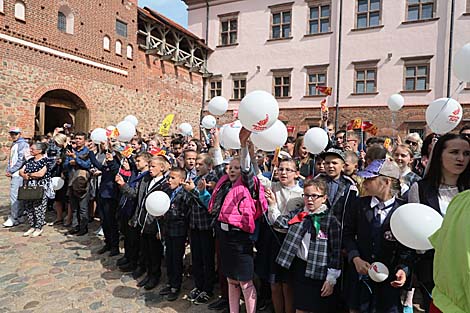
{"points": [[57, 273]]}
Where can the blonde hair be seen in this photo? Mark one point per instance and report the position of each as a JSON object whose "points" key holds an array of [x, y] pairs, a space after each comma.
{"points": [[60, 139], [162, 161]]}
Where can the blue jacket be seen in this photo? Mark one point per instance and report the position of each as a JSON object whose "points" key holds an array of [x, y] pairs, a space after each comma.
{"points": [[108, 188]]}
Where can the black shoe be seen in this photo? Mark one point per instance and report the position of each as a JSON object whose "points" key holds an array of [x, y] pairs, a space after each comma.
{"points": [[73, 231], [203, 298], [165, 291], [122, 261], [143, 282], [193, 294], [103, 249], [114, 252], [139, 271], [218, 305], [82, 232], [173, 295], [152, 283], [261, 304], [128, 267]]}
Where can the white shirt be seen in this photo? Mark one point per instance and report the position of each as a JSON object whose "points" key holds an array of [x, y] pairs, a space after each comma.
{"points": [[388, 205]]}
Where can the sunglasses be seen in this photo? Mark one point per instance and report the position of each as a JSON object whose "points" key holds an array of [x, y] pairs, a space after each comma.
{"points": [[411, 143], [312, 196]]}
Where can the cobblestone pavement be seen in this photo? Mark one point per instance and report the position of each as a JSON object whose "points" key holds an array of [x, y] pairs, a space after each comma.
{"points": [[58, 273]]}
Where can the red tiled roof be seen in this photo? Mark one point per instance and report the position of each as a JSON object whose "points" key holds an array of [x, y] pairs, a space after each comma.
{"points": [[161, 19]]}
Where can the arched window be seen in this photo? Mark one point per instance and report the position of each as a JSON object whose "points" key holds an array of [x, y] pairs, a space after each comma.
{"points": [[65, 19], [61, 22], [129, 52], [1, 6], [118, 47], [106, 43], [20, 10]]}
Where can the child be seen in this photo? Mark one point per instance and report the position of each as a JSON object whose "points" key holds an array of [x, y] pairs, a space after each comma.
{"points": [[311, 249], [151, 245], [368, 238]]}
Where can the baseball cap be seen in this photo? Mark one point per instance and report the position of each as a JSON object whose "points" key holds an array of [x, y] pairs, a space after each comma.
{"points": [[382, 167], [16, 130], [333, 151]]}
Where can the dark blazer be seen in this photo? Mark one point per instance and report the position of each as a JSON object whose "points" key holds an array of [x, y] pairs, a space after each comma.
{"points": [[108, 188]]}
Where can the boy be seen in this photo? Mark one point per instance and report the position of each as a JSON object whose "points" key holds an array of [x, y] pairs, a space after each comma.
{"points": [[151, 244]]}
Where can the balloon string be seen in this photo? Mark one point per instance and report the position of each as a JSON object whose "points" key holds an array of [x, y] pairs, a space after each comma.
{"points": [[145, 222], [456, 91]]}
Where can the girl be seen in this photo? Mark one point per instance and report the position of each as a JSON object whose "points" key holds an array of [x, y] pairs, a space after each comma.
{"points": [[311, 249], [403, 156], [237, 201], [306, 161], [367, 238]]}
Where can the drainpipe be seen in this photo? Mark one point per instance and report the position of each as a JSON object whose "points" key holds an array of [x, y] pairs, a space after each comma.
{"points": [[451, 43], [338, 70], [204, 79]]}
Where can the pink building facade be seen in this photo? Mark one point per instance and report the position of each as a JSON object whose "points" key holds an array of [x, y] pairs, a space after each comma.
{"points": [[380, 47]]}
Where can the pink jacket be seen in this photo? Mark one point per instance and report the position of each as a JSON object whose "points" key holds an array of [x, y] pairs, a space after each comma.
{"points": [[239, 209]]}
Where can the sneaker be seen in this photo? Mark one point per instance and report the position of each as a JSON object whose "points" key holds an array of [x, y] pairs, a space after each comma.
{"points": [[29, 232], [193, 294], [407, 309], [99, 232], [173, 295], [218, 305], [9, 223], [165, 291], [37, 233], [203, 298]]}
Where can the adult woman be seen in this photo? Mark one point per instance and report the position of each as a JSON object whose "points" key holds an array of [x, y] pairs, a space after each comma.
{"points": [[415, 142], [35, 173], [306, 163], [448, 174]]}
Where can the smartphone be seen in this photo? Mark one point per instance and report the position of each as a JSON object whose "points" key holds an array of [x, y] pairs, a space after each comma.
{"points": [[69, 147]]}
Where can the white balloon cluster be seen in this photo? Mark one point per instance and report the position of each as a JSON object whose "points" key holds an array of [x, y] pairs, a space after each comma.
{"points": [[125, 129]]}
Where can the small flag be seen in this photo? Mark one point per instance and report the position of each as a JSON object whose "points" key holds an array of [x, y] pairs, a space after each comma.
{"points": [[324, 106], [387, 143], [290, 129], [357, 123], [235, 113], [127, 152], [325, 90], [166, 124], [157, 151], [369, 128], [276, 157]]}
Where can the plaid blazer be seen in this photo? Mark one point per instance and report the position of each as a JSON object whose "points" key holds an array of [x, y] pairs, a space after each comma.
{"points": [[323, 253]]}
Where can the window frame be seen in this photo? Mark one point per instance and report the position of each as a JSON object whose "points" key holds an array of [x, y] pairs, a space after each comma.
{"points": [[17, 16], [120, 22], [368, 14], [282, 73], [419, 61], [227, 18], [217, 91], [62, 15], [316, 70], [2, 6], [116, 47], [239, 90], [280, 9], [318, 4], [129, 52], [420, 10], [107, 48], [366, 67]]}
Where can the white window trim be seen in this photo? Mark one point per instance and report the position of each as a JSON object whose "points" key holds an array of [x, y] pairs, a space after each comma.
{"points": [[20, 14], [116, 50], [107, 43], [129, 52]]}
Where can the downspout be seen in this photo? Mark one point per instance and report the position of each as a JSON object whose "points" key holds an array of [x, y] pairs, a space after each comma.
{"points": [[204, 79], [338, 70], [451, 43]]}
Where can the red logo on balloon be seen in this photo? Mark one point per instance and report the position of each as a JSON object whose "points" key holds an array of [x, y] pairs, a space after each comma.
{"points": [[453, 118], [261, 125]]}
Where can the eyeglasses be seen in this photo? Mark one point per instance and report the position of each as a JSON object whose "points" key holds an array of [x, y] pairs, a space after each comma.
{"points": [[313, 196], [411, 143], [285, 169]]}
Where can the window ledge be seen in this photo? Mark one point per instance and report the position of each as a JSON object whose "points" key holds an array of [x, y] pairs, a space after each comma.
{"points": [[279, 39], [416, 91], [229, 45], [281, 98], [317, 34], [234, 99], [367, 28], [466, 14], [420, 21], [20, 20], [314, 96], [365, 94]]}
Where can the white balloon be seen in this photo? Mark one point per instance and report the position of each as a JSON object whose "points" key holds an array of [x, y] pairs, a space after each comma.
{"points": [[443, 115], [98, 135], [218, 105], [378, 272], [131, 118], [258, 111], [315, 140], [395, 102], [126, 130], [208, 122], [185, 129], [229, 136], [413, 223], [275, 136], [57, 183], [157, 203], [462, 63]]}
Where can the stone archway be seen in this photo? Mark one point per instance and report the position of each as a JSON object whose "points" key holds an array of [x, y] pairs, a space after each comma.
{"points": [[58, 107]]}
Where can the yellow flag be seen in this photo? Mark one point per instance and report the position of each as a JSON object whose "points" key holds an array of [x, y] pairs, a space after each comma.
{"points": [[166, 124]]}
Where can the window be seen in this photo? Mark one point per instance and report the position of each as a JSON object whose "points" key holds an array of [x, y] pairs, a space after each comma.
{"points": [[319, 18], [467, 9], [417, 73], [281, 21], [419, 10], [215, 87], [20, 10], [118, 47], [368, 13], [121, 28], [239, 85], [228, 29], [316, 76], [106, 43], [420, 131], [365, 79], [61, 22], [129, 52], [1, 6], [281, 82]]}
